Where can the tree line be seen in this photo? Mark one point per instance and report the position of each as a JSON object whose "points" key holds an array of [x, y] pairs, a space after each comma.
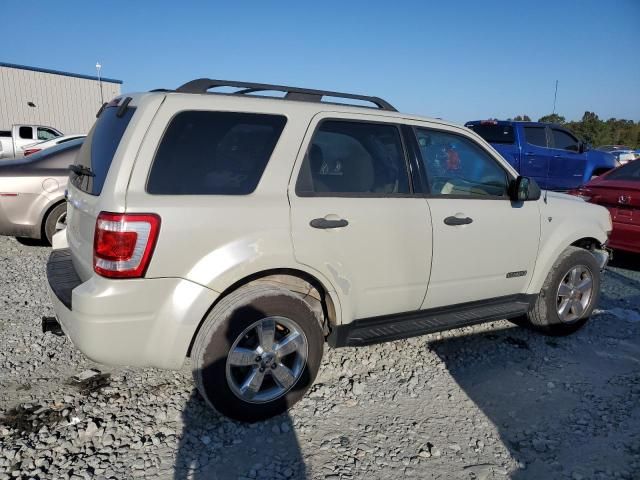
{"points": [[615, 131]]}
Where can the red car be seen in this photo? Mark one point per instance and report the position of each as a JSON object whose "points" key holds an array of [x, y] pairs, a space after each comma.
{"points": [[619, 191]]}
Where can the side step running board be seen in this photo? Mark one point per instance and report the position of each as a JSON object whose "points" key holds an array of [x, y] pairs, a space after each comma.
{"points": [[411, 324]]}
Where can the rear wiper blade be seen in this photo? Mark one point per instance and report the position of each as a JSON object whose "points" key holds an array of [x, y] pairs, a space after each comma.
{"points": [[81, 170]]}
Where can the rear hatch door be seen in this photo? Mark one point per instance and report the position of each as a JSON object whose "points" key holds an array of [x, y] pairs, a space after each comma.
{"points": [[87, 179]]}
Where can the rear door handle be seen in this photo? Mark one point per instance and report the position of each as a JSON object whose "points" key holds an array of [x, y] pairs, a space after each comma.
{"points": [[458, 220], [324, 223], [530, 154]]}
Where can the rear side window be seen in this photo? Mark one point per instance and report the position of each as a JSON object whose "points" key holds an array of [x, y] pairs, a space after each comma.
{"points": [[495, 133], [26, 133], [214, 153], [354, 158], [536, 136], [99, 148]]}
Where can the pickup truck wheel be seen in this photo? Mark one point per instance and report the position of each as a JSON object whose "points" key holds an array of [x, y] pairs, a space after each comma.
{"points": [[569, 294], [257, 353], [56, 220]]}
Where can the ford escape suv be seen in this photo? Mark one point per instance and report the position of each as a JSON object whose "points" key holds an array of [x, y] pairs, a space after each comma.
{"points": [[246, 228]]}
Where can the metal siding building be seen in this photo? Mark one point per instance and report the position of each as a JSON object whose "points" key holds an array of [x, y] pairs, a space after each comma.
{"points": [[65, 101]]}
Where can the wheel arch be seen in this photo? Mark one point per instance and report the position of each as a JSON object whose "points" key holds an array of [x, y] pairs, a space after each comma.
{"points": [[46, 211], [547, 256], [322, 300]]}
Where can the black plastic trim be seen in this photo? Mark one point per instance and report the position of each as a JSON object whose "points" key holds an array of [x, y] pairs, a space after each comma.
{"points": [[62, 276], [410, 324], [201, 85]]}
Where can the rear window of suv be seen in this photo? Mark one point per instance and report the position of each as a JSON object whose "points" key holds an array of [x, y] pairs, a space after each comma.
{"points": [[99, 148], [214, 153], [494, 133]]}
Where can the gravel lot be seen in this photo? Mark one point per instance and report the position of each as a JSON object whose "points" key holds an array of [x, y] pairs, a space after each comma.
{"points": [[492, 401]]}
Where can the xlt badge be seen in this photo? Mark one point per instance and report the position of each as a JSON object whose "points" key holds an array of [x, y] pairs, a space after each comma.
{"points": [[521, 273]]}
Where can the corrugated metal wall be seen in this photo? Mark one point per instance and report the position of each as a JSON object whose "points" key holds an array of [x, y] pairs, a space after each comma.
{"points": [[66, 103]]}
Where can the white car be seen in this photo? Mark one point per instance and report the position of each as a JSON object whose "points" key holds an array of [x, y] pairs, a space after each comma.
{"points": [[39, 146], [245, 231]]}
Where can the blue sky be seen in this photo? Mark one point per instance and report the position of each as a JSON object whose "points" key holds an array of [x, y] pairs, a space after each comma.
{"points": [[459, 60]]}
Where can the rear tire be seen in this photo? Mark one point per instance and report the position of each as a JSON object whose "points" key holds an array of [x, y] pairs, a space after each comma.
{"points": [[55, 219], [568, 296], [234, 348]]}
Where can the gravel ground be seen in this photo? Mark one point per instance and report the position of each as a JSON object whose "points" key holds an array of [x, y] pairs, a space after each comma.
{"points": [[491, 401]]}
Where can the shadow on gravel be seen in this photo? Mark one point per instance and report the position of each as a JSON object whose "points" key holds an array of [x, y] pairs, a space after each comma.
{"points": [[563, 406], [213, 447], [32, 242], [626, 260]]}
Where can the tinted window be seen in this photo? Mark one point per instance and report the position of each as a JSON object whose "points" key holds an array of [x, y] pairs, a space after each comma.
{"points": [[354, 157], [456, 165], [631, 171], [26, 132], [214, 153], [495, 133], [536, 136], [99, 148], [564, 141], [46, 134]]}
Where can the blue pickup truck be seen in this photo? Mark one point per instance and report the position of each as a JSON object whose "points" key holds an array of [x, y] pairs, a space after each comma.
{"points": [[549, 153]]}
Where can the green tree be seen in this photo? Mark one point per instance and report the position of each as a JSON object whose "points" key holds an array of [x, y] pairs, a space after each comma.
{"points": [[552, 118], [522, 118]]}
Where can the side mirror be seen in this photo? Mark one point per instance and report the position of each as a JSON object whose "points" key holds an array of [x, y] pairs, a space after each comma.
{"points": [[584, 147], [524, 188]]}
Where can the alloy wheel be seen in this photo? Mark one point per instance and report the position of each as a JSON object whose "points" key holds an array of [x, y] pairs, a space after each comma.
{"points": [[574, 294], [266, 360]]}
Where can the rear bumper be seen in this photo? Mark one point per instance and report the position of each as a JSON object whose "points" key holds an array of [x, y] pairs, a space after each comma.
{"points": [[137, 322]]}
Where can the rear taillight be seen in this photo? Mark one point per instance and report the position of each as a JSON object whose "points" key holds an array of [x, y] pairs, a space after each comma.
{"points": [[123, 244], [29, 151]]}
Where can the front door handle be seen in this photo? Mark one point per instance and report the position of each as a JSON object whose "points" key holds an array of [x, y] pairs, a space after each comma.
{"points": [[529, 154], [324, 223], [458, 220]]}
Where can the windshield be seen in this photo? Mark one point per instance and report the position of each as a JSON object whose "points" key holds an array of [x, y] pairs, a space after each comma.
{"points": [[631, 171]]}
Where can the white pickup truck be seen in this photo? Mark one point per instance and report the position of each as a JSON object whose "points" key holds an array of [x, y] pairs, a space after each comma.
{"points": [[12, 141]]}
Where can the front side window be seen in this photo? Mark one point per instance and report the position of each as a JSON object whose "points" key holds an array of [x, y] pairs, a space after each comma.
{"points": [[26, 133], [562, 140], [347, 157], [536, 136], [46, 134], [214, 153], [456, 165]]}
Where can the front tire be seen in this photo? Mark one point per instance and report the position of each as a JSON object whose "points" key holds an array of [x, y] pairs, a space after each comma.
{"points": [[257, 353], [569, 294]]}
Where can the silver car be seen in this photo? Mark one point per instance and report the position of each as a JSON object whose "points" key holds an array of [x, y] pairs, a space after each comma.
{"points": [[32, 203]]}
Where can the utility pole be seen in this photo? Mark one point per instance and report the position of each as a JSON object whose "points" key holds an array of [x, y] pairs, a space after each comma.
{"points": [[555, 96], [98, 68]]}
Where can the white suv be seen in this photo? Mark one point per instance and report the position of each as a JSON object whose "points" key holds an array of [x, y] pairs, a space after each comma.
{"points": [[245, 231]]}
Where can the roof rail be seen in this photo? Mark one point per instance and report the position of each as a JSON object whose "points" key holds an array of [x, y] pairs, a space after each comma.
{"points": [[202, 85]]}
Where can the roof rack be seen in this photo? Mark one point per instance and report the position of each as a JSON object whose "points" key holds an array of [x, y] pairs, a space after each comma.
{"points": [[202, 85]]}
